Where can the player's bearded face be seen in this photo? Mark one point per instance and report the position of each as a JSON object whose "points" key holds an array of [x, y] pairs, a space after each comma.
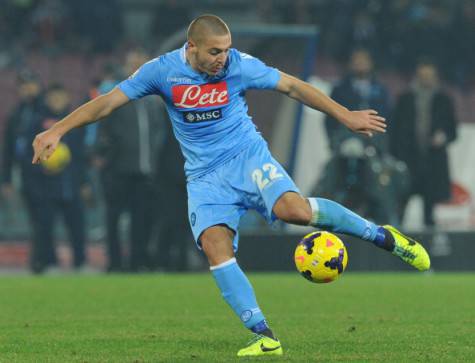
{"points": [[211, 53]]}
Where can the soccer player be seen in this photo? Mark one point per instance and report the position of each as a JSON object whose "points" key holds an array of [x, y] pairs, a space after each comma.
{"points": [[228, 165]]}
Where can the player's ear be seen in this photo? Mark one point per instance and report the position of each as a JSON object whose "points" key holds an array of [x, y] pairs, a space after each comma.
{"points": [[191, 45]]}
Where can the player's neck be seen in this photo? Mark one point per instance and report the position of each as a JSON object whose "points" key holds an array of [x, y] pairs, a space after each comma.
{"points": [[191, 61]]}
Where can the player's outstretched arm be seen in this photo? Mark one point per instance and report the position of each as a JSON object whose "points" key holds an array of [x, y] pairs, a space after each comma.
{"points": [[45, 143], [364, 122]]}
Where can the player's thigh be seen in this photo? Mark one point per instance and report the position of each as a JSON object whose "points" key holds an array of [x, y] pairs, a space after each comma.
{"points": [[291, 207], [265, 181], [217, 244]]}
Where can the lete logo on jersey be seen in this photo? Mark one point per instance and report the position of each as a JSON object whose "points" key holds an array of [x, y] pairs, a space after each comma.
{"points": [[200, 96]]}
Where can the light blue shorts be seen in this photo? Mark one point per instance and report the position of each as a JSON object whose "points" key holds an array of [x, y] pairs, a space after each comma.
{"points": [[251, 180]]}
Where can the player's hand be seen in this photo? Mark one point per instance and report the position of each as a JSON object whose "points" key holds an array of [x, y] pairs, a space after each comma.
{"points": [[365, 122], [44, 145]]}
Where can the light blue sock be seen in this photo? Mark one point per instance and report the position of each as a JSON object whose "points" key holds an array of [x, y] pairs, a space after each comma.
{"points": [[333, 217], [238, 293]]}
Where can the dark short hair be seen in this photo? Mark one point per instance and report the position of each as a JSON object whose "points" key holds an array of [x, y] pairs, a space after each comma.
{"points": [[206, 24]]}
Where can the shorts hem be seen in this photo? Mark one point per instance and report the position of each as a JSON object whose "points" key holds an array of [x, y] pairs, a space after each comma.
{"points": [[197, 240]]}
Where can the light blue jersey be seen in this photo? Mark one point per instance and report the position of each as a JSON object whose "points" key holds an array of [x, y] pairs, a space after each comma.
{"points": [[228, 165], [209, 114]]}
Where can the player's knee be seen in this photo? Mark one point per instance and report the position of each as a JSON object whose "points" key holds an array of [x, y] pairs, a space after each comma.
{"points": [[293, 208], [217, 245]]}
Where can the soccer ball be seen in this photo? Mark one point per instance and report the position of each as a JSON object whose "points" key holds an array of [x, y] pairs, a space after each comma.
{"points": [[321, 257], [60, 158]]}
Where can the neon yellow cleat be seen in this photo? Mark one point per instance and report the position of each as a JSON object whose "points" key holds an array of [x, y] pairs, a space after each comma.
{"points": [[409, 250], [261, 345]]}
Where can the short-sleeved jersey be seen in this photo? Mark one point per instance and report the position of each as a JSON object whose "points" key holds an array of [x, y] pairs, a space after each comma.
{"points": [[208, 114]]}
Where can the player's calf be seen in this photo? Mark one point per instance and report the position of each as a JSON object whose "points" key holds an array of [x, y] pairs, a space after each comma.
{"points": [[333, 217], [235, 288]]}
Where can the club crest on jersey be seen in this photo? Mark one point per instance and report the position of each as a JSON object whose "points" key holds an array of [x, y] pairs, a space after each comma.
{"points": [[200, 96]]}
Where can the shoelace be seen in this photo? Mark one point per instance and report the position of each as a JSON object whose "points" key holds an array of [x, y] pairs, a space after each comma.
{"points": [[255, 339]]}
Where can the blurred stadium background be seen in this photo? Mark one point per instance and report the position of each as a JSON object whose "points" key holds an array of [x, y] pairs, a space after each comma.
{"points": [[79, 44]]}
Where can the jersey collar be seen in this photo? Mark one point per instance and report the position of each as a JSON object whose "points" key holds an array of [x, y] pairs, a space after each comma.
{"points": [[183, 53]]}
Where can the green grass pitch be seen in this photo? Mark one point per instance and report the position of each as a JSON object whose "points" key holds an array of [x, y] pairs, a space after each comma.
{"points": [[405, 317]]}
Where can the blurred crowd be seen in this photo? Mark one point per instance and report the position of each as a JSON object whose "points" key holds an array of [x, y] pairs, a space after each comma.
{"points": [[398, 32], [376, 176], [59, 26], [121, 166], [130, 163]]}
